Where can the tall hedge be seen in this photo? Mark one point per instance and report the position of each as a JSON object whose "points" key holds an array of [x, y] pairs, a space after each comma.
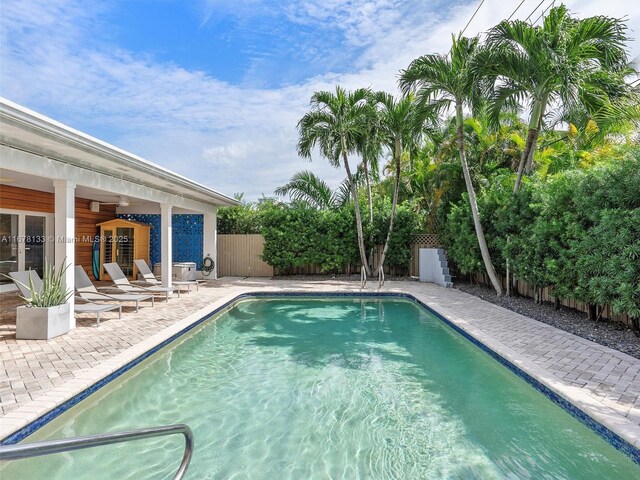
{"points": [[242, 219], [577, 233], [406, 224], [296, 235]]}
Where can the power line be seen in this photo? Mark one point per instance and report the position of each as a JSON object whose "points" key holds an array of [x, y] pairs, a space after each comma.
{"points": [[472, 17], [514, 12], [534, 10], [544, 11]]}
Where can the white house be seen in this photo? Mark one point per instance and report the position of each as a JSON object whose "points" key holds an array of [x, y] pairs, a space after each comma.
{"points": [[57, 184]]}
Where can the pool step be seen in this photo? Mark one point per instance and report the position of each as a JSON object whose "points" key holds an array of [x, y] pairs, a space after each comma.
{"points": [[434, 267]]}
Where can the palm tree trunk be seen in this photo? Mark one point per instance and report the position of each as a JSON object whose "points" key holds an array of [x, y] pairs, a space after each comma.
{"points": [[356, 206], [531, 135], [526, 159], [529, 166], [394, 203], [484, 250], [365, 167]]}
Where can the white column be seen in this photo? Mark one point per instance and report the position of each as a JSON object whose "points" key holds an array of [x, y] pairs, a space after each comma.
{"points": [[65, 231], [209, 240], [165, 244]]}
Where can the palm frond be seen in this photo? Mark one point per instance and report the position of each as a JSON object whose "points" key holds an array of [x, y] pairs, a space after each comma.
{"points": [[307, 188]]}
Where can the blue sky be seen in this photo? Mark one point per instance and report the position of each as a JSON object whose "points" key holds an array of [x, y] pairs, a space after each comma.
{"points": [[213, 89], [260, 45]]}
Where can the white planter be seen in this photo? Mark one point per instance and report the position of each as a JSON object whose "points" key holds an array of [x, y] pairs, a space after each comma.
{"points": [[42, 323]]}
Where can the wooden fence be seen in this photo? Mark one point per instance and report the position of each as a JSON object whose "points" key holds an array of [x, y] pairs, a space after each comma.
{"points": [[239, 256], [525, 289]]}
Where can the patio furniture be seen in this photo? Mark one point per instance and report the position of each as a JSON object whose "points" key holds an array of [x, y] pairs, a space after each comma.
{"points": [[150, 278], [122, 282], [21, 279], [97, 308], [88, 291]]}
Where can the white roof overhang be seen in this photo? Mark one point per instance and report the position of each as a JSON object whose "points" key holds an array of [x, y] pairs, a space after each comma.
{"points": [[55, 147]]}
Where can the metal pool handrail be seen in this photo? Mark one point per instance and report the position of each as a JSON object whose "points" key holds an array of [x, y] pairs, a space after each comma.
{"points": [[47, 447]]}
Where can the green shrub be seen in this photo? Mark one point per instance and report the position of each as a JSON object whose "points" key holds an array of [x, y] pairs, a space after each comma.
{"points": [[577, 232], [296, 235], [242, 219]]}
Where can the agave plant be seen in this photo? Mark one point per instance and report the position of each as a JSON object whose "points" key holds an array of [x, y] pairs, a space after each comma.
{"points": [[53, 292]]}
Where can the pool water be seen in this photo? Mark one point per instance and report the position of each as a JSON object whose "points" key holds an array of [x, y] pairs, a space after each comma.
{"points": [[339, 388]]}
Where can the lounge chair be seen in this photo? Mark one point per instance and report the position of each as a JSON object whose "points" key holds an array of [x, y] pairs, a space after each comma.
{"points": [[122, 283], [87, 306], [89, 292], [151, 279], [21, 279]]}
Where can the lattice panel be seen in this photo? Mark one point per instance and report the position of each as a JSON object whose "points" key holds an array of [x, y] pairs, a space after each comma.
{"points": [[426, 240]]}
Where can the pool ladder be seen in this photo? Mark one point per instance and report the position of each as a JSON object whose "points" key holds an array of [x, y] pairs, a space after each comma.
{"points": [[47, 447], [363, 277]]}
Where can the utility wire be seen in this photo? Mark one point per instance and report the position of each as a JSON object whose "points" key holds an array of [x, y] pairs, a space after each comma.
{"points": [[534, 10], [472, 17], [544, 11], [514, 12]]}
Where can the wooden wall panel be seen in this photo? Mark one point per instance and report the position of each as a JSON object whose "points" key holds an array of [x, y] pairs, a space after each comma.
{"points": [[86, 230], [16, 198]]}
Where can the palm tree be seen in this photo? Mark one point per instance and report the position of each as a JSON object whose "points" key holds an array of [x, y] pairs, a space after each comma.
{"points": [[564, 60], [369, 148], [307, 188], [401, 127], [444, 81], [335, 124]]}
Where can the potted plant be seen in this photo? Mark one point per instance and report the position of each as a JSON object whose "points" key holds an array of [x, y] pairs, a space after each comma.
{"points": [[46, 314]]}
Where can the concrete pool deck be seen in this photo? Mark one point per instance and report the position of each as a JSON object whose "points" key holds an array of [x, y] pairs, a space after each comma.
{"points": [[39, 375]]}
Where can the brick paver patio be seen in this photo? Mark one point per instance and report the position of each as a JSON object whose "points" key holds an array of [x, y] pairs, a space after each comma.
{"points": [[38, 375]]}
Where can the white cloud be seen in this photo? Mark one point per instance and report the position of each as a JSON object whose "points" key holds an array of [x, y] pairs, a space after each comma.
{"points": [[235, 138]]}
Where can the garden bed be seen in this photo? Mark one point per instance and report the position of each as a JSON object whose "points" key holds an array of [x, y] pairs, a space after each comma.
{"points": [[610, 334]]}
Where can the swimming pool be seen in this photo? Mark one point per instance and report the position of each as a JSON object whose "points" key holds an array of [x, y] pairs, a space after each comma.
{"points": [[328, 388]]}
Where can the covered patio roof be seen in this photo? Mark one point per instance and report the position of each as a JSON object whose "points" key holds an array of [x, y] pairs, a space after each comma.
{"points": [[40, 154], [34, 145]]}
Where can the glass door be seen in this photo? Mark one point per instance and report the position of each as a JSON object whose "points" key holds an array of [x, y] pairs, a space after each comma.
{"points": [[34, 241], [8, 246], [124, 250], [23, 243]]}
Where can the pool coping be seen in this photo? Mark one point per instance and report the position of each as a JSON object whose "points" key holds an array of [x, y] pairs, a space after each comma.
{"points": [[604, 421]]}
